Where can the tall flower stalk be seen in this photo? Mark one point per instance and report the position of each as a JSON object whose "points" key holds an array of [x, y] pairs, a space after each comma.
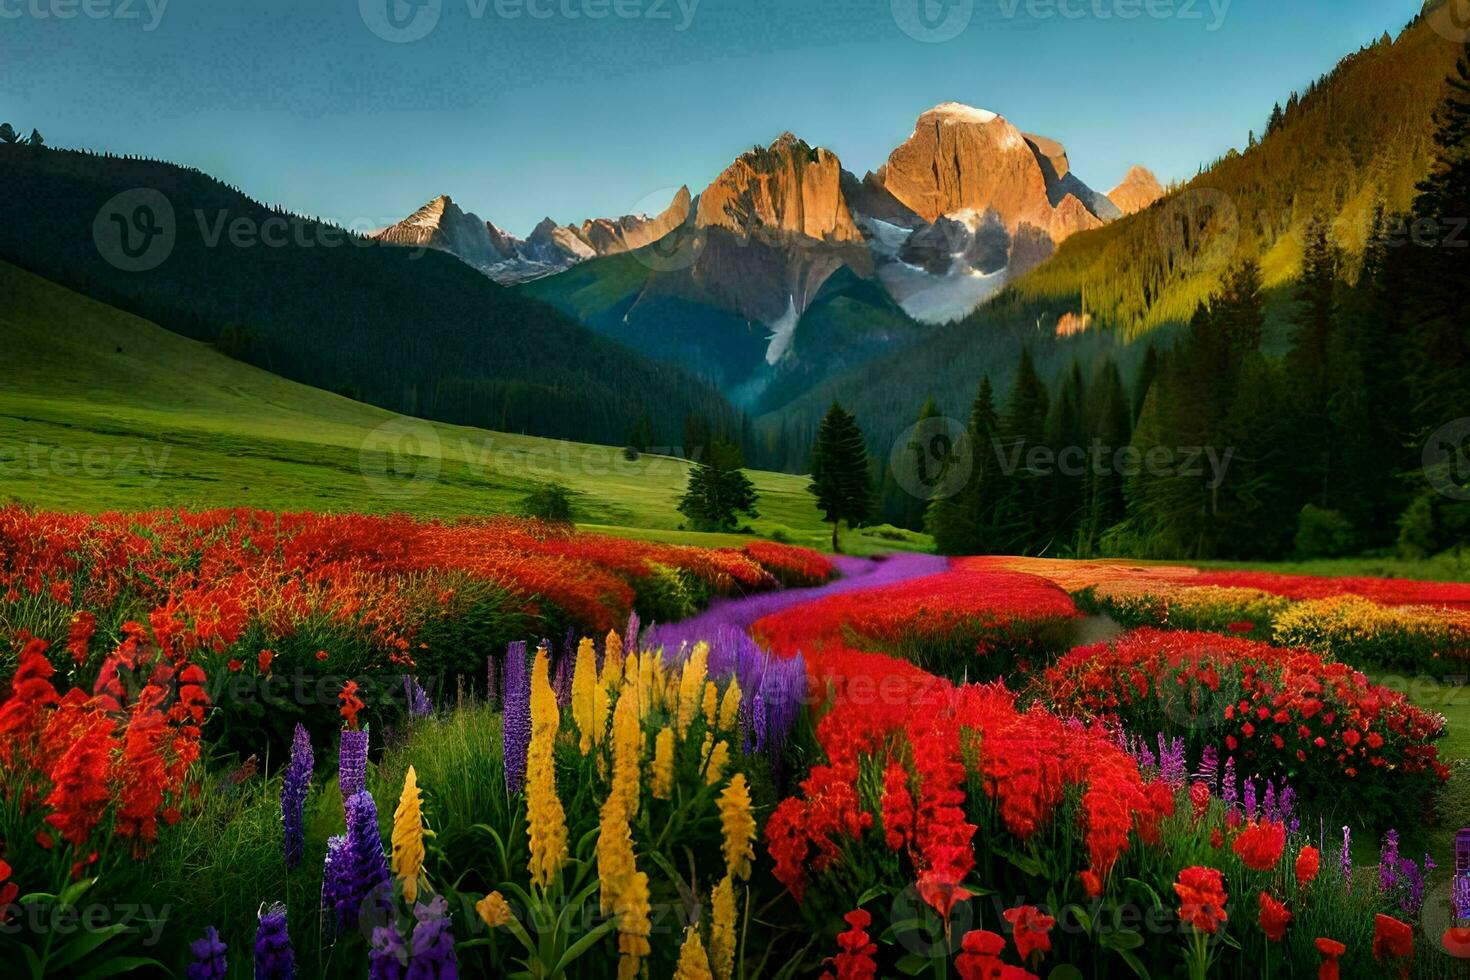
{"points": [[294, 787]]}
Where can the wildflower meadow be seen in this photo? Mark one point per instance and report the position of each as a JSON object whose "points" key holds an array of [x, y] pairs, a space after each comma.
{"points": [[244, 744]]}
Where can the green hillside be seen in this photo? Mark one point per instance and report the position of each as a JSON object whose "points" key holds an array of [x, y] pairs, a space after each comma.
{"points": [[409, 330], [102, 410]]}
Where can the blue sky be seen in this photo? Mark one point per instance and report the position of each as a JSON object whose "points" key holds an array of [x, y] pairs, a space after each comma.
{"points": [[519, 116]]}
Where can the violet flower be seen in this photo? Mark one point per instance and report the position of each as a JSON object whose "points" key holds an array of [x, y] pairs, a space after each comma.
{"points": [[516, 719], [1250, 799], [209, 957], [1209, 768], [1229, 788], [433, 956], [352, 757], [416, 699], [1388, 861], [362, 882], [388, 957], [1346, 858], [274, 959], [294, 786]]}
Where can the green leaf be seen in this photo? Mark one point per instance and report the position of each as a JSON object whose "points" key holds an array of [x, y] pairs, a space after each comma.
{"points": [[84, 944], [1135, 963], [1122, 940], [913, 964], [1065, 971], [124, 964]]}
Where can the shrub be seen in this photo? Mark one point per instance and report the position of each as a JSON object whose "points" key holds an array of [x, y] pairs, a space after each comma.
{"points": [[1280, 712], [1322, 533], [550, 502]]}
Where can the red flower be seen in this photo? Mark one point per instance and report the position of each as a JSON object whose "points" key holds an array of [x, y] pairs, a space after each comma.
{"points": [[1030, 929], [1260, 844], [1392, 939], [1456, 942], [1199, 798], [1202, 898], [1243, 626], [264, 661], [8, 891], [321, 655], [1307, 864], [79, 636], [351, 703], [1274, 918], [979, 957], [854, 961], [1217, 838], [1091, 884], [1330, 949], [234, 666]]}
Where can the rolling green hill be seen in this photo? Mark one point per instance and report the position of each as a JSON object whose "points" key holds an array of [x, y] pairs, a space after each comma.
{"points": [[408, 330], [102, 410]]}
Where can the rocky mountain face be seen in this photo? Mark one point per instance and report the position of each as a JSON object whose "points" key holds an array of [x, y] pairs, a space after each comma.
{"points": [[550, 248], [1139, 189], [777, 248]]}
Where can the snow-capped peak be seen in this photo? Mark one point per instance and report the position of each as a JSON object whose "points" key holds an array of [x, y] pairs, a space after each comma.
{"points": [[961, 113]]}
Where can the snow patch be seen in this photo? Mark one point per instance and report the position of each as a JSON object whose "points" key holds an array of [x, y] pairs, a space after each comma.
{"points": [[936, 300], [959, 112], [782, 332]]}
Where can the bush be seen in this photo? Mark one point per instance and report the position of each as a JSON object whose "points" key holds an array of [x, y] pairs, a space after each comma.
{"points": [[1322, 533], [550, 502]]}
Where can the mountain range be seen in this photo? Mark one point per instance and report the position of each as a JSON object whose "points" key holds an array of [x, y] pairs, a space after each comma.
{"points": [[736, 283]]}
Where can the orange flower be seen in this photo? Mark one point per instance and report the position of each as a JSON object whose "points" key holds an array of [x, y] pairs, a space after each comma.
{"points": [[1202, 898], [351, 704], [1274, 918], [264, 660], [1091, 883]]}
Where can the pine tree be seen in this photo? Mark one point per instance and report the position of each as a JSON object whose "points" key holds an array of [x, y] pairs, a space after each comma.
{"points": [[840, 478], [966, 523], [718, 491], [1023, 430], [35, 142], [8, 134], [1277, 118], [1146, 375], [916, 468]]}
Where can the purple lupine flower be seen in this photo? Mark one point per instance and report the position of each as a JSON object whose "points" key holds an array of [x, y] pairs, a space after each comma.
{"points": [[1229, 788], [274, 959], [352, 757], [336, 880], [1209, 769], [1286, 805], [516, 718], [562, 682], [1268, 804], [1412, 900], [1388, 861], [416, 699], [492, 689], [1250, 799], [1346, 858], [388, 957], [365, 885], [294, 787], [1462, 897], [630, 635], [433, 943], [209, 957], [1172, 764]]}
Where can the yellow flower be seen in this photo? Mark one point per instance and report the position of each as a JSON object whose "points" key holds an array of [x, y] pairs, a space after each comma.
{"points": [[711, 703], [662, 779], [737, 826], [693, 964], [722, 929], [494, 909], [408, 838], [627, 750], [584, 696], [623, 889], [730, 707], [691, 686], [612, 661], [719, 758], [650, 680], [546, 821]]}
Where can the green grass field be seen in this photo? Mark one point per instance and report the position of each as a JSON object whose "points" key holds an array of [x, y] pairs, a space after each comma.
{"points": [[100, 410]]}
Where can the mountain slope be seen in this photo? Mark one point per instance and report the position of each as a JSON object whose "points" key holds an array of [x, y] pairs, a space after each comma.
{"points": [[1359, 136], [100, 410], [415, 331]]}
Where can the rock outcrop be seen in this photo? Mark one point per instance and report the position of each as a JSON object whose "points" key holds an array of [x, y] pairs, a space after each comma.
{"points": [[1139, 189]]}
